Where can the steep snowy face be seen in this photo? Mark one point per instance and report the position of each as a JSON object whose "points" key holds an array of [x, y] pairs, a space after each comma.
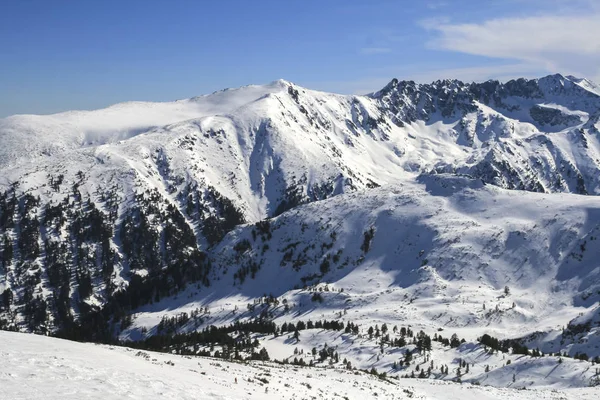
{"points": [[285, 148], [536, 135], [411, 102], [267, 148]]}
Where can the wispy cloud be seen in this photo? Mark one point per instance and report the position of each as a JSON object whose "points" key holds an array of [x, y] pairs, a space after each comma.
{"points": [[555, 43], [435, 5], [379, 41], [375, 50]]}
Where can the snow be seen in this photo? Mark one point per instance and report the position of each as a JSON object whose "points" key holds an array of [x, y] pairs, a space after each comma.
{"points": [[445, 243], [586, 84], [443, 251], [41, 367], [73, 129]]}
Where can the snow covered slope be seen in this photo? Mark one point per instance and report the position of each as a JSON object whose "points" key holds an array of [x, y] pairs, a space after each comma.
{"points": [[537, 135], [112, 219], [32, 136], [445, 253], [424, 241], [35, 366]]}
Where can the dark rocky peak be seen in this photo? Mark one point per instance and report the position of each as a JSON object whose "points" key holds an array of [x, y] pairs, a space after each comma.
{"points": [[559, 85], [451, 98], [409, 101], [395, 86], [447, 84], [525, 88]]}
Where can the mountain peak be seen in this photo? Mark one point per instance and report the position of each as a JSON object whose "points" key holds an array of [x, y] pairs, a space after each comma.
{"points": [[281, 83], [556, 76]]}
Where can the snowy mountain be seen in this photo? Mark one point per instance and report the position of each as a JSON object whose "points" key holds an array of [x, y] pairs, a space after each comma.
{"points": [[448, 207], [444, 255], [537, 135]]}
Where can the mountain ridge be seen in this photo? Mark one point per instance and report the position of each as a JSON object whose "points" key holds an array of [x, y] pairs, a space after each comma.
{"points": [[416, 195]]}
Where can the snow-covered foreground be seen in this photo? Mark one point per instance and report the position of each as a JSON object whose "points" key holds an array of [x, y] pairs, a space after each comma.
{"points": [[34, 367]]}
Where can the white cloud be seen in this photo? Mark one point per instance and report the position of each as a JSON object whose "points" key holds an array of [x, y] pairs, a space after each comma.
{"points": [[569, 44], [435, 5]]}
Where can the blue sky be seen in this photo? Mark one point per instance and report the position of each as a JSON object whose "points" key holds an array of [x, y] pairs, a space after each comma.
{"points": [[58, 55]]}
